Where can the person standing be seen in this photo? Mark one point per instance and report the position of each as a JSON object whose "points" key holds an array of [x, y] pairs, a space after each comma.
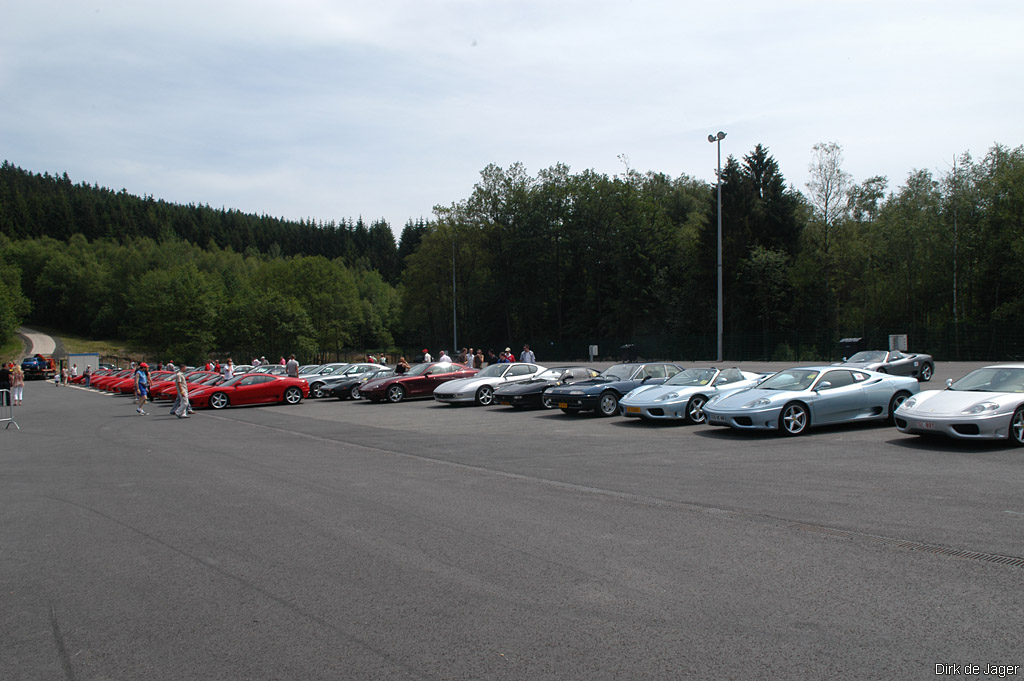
{"points": [[5, 384], [528, 355], [402, 366], [87, 376], [478, 359], [426, 356], [142, 387], [181, 406], [17, 385], [229, 369], [292, 367]]}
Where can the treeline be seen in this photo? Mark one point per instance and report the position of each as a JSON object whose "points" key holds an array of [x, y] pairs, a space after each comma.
{"points": [[34, 205], [561, 260], [183, 302], [558, 259]]}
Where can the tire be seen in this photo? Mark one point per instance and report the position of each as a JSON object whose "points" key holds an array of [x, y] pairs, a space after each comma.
{"points": [[894, 404], [695, 410], [353, 393], [608, 404], [546, 402], [219, 400], [883, 370], [316, 390], [292, 395], [794, 419], [485, 396], [396, 394], [1017, 427], [927, 371]]}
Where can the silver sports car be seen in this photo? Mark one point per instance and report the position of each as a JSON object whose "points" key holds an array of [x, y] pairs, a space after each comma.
{"points": [[683, 396], [794, 400], [921, 367], [479, 389], [986, 404]]}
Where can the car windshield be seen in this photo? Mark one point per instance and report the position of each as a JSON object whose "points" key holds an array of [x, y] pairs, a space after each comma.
{"points": [[992, 379], [868, 356], [235, 379], [550, 375], [692, 377], [791, 379], [618, 372], [492, 371], [418, 369]]}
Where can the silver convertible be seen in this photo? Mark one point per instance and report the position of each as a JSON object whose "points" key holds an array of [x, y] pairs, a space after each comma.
{"points": [[986, 404], [683, 396], [921, 367], [794, 400]]}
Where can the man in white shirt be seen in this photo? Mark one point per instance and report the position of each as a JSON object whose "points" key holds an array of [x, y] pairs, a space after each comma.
{"points": [[426, 356], [527, 355]]}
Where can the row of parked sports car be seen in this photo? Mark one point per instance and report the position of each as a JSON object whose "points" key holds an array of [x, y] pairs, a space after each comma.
{"points": [[985, 404]]}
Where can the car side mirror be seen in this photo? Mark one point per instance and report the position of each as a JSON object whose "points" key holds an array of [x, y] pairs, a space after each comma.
{"points": [[824, 385], [949, 383]]}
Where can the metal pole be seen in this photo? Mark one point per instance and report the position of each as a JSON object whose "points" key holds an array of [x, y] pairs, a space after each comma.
{"points": [[720, 323], [455, 335]]}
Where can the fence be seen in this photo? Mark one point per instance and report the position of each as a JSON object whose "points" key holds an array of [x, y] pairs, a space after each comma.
{"points": [[7, 409]]}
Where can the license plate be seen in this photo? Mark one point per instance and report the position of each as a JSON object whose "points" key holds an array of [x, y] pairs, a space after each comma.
{"points": [[632, 410], [504, 402], [563, 405], [927, 424], [716, 419]]}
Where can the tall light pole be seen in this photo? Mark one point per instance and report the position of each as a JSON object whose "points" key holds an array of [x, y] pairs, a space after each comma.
{"points": [[718, 138], [455, 334]]}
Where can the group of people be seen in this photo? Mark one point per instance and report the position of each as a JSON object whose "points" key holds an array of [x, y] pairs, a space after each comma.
{"points": [[12, 380], [144, 383], [475, 358]]}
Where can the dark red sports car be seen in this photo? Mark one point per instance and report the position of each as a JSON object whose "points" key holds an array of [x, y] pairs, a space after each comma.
{"points": [[250, 389], [419, 381]]}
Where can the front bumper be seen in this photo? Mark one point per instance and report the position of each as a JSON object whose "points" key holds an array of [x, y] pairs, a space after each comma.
{"points": [[993, 427], [575, 402], [744, 419], [654, 410], [456, 398]]}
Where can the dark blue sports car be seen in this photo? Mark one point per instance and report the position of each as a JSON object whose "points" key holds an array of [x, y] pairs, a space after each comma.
{"points": [[603, 392]]}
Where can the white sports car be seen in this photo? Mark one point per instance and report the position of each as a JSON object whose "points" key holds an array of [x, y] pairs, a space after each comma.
{"points": [[683, 396], [479, 389], [794, 400], [986, 404]]}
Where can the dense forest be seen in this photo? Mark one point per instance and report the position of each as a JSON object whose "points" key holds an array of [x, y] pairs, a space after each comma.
{"points": [[560, 260]]}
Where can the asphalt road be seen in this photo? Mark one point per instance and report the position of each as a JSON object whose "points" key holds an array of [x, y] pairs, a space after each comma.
{"points": [[340, 540]]}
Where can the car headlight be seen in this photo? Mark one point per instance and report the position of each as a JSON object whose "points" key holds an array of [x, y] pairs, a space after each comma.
{"points": [[908, 403], [669, 396], [762, 402], [981, 408], [576, 392]]}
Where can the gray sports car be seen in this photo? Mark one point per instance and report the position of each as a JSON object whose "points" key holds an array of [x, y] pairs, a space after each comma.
{"points": [[921, 367]]}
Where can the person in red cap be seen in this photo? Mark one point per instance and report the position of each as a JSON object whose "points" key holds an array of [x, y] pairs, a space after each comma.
{"points": [[142, 387], [426, 356]]}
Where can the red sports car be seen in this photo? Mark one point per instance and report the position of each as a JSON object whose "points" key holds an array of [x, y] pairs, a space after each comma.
{"points": [[419, 381], [250, 389], [166, 390]]}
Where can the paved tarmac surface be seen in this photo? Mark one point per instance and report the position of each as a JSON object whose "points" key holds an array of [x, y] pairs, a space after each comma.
{"points": [[341, 540]]}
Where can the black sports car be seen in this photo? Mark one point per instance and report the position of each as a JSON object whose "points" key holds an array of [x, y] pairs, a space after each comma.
{"points": [[347, 387], [921, 367], [602, 393], [530, 394]]}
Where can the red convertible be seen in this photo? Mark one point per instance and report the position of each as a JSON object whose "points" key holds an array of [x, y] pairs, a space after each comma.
{"points": [[419, 381], [250, 389]]}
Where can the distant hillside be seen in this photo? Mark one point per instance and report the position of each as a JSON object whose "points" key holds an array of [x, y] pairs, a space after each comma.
{"points": [[34, 205]]}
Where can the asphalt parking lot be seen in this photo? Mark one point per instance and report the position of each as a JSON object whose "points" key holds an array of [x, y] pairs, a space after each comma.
{"points": [[347, 540]]}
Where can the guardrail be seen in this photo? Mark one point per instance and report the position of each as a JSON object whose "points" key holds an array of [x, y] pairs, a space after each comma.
{"points": [[7, 409]]}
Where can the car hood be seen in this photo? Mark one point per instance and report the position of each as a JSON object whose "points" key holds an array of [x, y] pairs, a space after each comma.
{"points": [[595, 385], [526, 386], [954, 402], [650, 393], [741, 397]]}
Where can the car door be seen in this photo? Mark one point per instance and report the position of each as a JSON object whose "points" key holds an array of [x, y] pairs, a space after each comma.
{"points": [[837, 397], [253, 389]]}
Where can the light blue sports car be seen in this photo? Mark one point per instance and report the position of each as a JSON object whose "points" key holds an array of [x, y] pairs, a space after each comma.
{"points": [[794, 400], [683, 396]]}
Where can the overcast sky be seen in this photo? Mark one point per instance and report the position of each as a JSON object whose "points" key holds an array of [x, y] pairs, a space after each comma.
{"points": [[334, 109]]}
